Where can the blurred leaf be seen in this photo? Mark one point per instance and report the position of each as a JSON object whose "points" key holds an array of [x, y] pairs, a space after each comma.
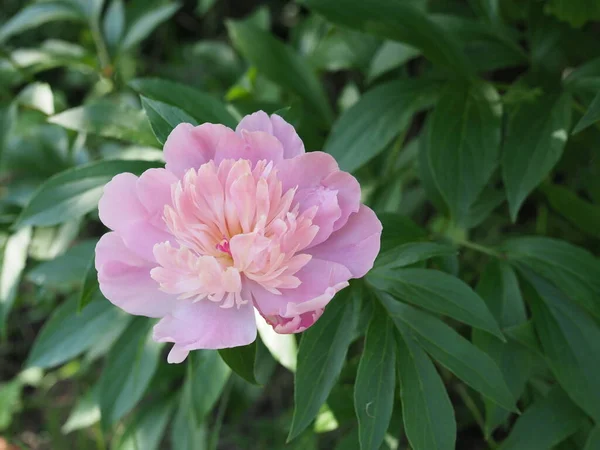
{"points": [[525, 335], [207, 375], [591, 116], [576, 12], [411, 253], [453, 351], [593, 441], [75, 192], [90, 8], [399, 21], [85, 413], [12, 263], [114, 23], [164, 117], [437, 292], [464, 144], [364, 130], [499, 287], [38, 96], [108, 119], [204, 6], [375, 382], [65, 270], [188, 432], [146, 429], [581, 213], [571, 342], [10, 402], [321, 355], [242, 360], [89, 286], [283, 347], [544, 424], [425, 173], [68, 332], [343, 50], [480, 210], [399, 230], [584, 78], [536, 136], [53, 53], [389, 56], [574, 270], [280, 64], [202, 107], [145, 24], [426, 409], [129, 368], [37, 14], [49, 242]]}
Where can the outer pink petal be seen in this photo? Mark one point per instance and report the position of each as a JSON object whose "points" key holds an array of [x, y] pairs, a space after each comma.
{"points": [[119, 203], [306, 170], [125, 279], [278, 127], [253, 146], [348, 195], [154, 190], [296, 309], [190, 147], [355, 245], [205, 325]]}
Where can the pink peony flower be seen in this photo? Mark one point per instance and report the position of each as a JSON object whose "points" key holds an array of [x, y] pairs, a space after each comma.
{"points": [[236, 220]]}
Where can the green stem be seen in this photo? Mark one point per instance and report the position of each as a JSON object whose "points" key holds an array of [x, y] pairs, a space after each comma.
{"points": [[480, 248]]}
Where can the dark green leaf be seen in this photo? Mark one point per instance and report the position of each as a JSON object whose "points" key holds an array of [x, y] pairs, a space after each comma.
{"points": [[398, 230], [437, 292], [188, 432], [426, 409], [546, 423], [593, 441], [389, 56], [321, 355], [35, 15], [68, 332], [591, 116], [536, 136], [375, 382], [208, 376], [411, 253], [164, 117], [364, 130], [146, 429], [130, 366], [75, 192], [464, 144], [399, 21], [242, 361], [581, 213], [146, 23], [280, 64], [201, 106], [12, 262], [525, 335], [108, 119], [114, 23], [576, 12], [453, 351], [571, 341], [89, 286], [574, 270]]}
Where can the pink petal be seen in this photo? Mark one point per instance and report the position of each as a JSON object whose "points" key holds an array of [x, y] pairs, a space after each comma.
{"points": [[348, 195], [154, 190], [124, 279], [189, 147], [205, 325], [141, 236], [119, 203], [255, 146], [328, 212], [355, 245], [306, 170], [276, 126], [320, 281]]}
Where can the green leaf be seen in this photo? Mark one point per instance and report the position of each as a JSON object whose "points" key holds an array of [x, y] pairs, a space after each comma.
{"points": [[146, 429], [321, 356], [499, 287], [12, 262], [33, 16], [400, 21], [536, 136], [145, 24], [68, 332], [591, 116], [576, 12], [574, 270], [10, 402], [427, 412], [201, 106], [75, 192], [114, 23], [90, 286], [437, 292], [38, 96], [593, 441], [411, 253], [84, 414], [375, 382], [390, 56], [130, 366], [164, 117], [280, 64], [368, 127], [108, 119], [242, 360], [545, 424], [399, 230], [453, 351], [581, 213], [188, 433], [208, 375], [571, 341], [525, 335], [464, 144]]}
